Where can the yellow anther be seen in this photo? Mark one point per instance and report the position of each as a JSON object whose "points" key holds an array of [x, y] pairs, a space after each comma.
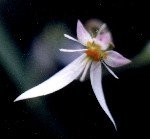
{"points": [[94, 51]]}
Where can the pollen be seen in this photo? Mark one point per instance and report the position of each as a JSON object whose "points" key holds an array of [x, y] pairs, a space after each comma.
{"points": [[94, 51]]}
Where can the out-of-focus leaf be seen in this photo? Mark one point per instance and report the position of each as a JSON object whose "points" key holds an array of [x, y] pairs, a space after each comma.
{"points": [[143, 58], [11, 59]]}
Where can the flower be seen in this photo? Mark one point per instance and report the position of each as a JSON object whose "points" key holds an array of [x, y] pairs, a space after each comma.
{"points": [[97, 52]]}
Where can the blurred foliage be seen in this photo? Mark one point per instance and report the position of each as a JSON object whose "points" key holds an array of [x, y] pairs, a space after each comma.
{"points": [[11, 59], [143, 58]]}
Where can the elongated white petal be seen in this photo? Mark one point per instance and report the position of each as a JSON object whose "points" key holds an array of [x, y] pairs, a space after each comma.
{"points": [[110, 71], [114, 59], [57, 81], [96, 82], [69, 50], [71, 38], [82, 78], [82, 34]]}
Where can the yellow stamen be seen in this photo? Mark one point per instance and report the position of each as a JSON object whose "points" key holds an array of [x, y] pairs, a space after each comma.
{"points": [[94, 51]]}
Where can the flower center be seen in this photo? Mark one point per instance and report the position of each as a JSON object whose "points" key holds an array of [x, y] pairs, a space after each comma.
{"points": [[94, 51]]}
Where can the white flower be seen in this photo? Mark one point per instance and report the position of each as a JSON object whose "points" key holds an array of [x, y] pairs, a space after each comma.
{"points": [[97, 51]]}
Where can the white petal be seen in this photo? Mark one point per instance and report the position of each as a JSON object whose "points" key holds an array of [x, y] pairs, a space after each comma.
{"points": [[96, 81], [110, 71], [82, 34], [69, 50], [57, 81], [114, 59], [71, 38], [82, 78]]}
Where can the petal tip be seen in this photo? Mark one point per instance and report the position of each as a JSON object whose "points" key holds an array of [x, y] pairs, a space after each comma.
{"points": [[129, 61], [115, 127], [78, 21], [126, 62], [17, 99], [81, 80], [79, 24], [117, 77], [23, 96], [65, 35]]}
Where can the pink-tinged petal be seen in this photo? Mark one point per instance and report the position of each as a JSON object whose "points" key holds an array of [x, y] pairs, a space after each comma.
{"points": [[105, 37], [82, 34], [57, 81], [102, 45], [114, 59], [96, 81]]}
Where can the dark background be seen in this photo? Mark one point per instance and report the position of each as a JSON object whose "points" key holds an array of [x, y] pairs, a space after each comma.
{"points": [[73, 112]]}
